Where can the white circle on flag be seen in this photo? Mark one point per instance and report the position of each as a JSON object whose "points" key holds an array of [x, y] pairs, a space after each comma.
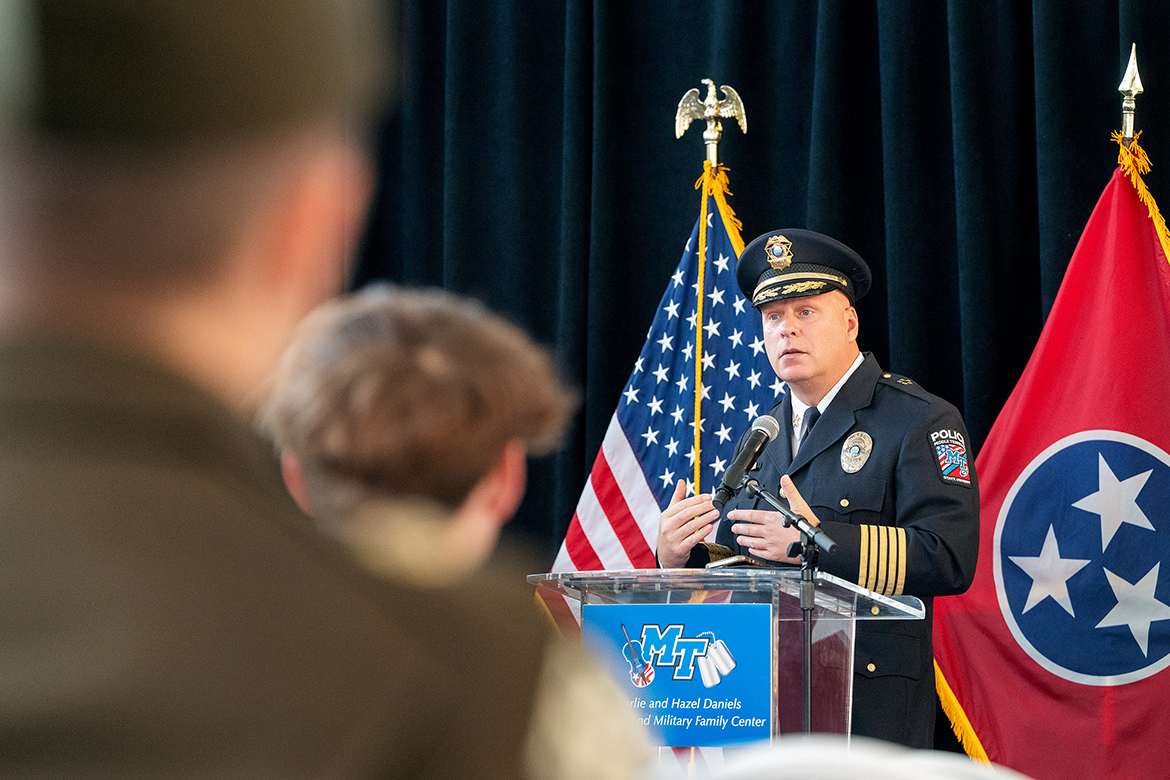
{"points": [[1060, 564]]}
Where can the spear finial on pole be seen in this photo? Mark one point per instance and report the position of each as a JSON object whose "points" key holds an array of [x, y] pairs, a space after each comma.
{"points": [[711, 109], [1131, 86]]}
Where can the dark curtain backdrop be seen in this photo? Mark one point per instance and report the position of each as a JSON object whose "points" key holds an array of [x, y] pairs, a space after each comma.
{"points": [[958, 146]]}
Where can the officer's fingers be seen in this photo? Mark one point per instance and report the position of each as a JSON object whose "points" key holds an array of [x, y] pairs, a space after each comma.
{"points": [[684, 519], [705, 519], [795, 501], [679, 506], [750, 515], [686, 512], [678, 500], [696, 534]]}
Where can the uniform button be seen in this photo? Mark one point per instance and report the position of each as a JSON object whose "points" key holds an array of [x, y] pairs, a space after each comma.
{"points": [[871, 668], [874, 609], [886, 376], [844, 502]]}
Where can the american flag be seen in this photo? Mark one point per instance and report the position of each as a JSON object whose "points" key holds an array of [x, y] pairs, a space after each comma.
{"points": [[650, 443]]}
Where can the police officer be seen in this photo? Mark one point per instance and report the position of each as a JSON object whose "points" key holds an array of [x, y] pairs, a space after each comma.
{"points": [[880, 463]]}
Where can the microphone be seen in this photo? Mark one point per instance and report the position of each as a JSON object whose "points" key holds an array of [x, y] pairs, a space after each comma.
{"points": [[763, 430]]}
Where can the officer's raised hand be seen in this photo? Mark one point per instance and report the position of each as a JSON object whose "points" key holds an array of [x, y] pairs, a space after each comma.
{"points": [[683, 524], [763, 533]]}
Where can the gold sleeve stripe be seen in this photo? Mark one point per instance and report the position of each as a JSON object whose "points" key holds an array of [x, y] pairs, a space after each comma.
{"points": [[883, 558], [868, 565], [901, 561], [863, 558], [863, 566], [882, 564]]}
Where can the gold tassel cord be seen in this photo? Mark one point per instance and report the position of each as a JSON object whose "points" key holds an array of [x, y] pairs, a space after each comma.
{"points": [[959, 723], [720, 187], [705, 183], [1134, 162], [713, 183]]}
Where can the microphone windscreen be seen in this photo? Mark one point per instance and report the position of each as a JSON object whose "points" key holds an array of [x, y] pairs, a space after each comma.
{"points": [[767, 423]]}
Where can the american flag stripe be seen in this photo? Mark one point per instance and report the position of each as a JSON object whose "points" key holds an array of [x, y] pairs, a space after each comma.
{"points": [[577, 553], [625, 527], [605, 533], [629, 477]]}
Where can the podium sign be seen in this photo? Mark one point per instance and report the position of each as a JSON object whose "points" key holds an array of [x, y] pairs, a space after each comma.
{"points": [[695, 674], [695, 648]]}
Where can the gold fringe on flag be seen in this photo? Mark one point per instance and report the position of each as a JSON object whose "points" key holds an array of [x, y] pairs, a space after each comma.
{"points": [[713, 182], [959, 723], [1134, 162]]}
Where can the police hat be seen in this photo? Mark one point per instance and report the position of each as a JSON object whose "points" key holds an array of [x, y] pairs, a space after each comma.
{"points": [[792, 263], [156, 72]]}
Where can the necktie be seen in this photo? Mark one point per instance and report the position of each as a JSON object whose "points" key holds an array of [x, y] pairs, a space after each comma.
{"points": [[810, 419]]}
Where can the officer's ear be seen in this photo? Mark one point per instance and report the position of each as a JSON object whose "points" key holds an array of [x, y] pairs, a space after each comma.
{"points": [[851, 323], [850, 315]]}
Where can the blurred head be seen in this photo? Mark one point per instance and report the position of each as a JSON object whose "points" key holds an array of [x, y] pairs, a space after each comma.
{"points": [[158, 222], [143, 133], [156, 74], [410, 394], [159, 152]]}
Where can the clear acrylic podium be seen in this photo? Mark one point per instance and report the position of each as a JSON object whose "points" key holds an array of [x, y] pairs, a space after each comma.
{"points": [[838, 605]]}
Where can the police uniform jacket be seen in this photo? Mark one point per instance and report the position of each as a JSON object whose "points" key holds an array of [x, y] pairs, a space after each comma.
{"points": [[902, 504]]}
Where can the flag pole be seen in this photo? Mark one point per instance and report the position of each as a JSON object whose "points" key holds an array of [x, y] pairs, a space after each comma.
{"points": [[711, 109], [1131, 157], [1131, 86]]}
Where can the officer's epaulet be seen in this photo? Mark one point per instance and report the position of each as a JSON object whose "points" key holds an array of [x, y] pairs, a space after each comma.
{"points": [[905, 385]]}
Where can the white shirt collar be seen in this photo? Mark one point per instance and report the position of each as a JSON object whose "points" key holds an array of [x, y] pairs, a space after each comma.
{"points": [[799, 407]]}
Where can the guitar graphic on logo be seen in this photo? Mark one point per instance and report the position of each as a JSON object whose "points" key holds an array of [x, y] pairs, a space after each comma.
{"points": [[641, 670]]}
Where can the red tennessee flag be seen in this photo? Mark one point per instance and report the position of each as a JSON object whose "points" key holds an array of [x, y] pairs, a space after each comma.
{"points": [[1055, 662]]}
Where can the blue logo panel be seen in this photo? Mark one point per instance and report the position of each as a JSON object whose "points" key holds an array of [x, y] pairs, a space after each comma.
{"points": [[1079, 544], [697, 675]]}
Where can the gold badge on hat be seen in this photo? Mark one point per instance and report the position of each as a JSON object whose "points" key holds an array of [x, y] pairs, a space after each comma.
{"points": [[779, 252], [855, 452]]}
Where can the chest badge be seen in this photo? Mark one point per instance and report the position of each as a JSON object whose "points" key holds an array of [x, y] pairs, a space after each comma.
{"points": [[855, 452]]}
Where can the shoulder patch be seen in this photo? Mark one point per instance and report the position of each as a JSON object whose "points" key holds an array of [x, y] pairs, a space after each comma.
{"points": [[951, 450]]}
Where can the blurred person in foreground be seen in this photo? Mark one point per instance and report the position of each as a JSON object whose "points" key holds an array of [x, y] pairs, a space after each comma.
{"points": [[404, 419], [177, 183]]}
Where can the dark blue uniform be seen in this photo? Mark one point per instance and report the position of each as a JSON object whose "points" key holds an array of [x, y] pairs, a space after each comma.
{"points": [[887, 471]]}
